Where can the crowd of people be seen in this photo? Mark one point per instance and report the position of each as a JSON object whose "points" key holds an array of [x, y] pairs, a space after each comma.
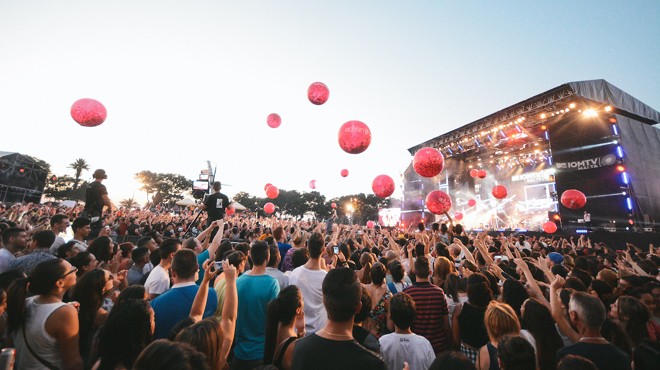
{"points": [[244, 292]]}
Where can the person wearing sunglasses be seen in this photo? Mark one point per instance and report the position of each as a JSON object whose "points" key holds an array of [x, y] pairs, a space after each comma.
{"points": [[50, 324]]}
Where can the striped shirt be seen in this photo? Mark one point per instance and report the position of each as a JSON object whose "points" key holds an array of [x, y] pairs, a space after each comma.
{"points": [[432, 310]]}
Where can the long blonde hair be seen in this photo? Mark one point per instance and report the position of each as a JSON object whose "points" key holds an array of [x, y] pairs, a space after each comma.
{"points": [[500, 320]]}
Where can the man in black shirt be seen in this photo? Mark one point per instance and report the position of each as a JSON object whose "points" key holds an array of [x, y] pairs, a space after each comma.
{"points": [[96, 197], [334, 347], [215, 206], [587, 314]]}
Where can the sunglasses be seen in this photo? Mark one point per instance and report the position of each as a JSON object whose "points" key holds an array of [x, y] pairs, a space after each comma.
{"points": [[75, 269]]}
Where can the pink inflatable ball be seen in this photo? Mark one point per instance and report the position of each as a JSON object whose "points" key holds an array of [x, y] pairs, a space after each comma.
{"points": [[458, 216], [481, 174], [344, 173], [472, 202], [230, 211], [428, 162], [267, 186], [573, 199], [370, 224], [383, 186], [438, 202], [272, 192], [269, 208], [354, 137], [88, 112], [274, 120], [550, 227], [312, 184], [333, 205], [474, 173], [500, 191], [318, 93]]}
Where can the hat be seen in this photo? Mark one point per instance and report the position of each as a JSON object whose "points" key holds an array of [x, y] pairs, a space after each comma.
{"points": [[100, 174], [556, 257]]}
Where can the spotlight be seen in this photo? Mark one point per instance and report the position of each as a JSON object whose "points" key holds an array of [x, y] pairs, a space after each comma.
{"points": [[590, 113], [572, 105], [612, 119], [608, 109], [544, 127], [620, 168], [543, 116]]}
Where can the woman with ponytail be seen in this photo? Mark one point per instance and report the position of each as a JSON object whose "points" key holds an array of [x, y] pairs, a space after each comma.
{"points": [[285, 323], [50, 324], [364, 274]]}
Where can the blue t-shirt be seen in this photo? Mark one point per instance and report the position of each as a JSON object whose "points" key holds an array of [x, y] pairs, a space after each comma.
{"points": [[254, 294], [283, 247], [174, 306], [201, 258]]}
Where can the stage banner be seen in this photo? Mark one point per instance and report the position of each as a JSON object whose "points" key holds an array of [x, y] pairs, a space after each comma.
{"points": [[587, 164]]}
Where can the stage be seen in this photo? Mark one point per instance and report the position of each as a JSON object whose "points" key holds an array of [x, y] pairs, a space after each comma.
{"points": [[588, 135]]}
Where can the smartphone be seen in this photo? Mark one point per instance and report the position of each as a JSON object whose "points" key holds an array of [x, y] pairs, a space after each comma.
{"points": [[335, 250], [218, 266], [498, 258]]}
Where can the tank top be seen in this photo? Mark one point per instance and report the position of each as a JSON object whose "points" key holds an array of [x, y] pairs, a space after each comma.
{"points": [[278, 357], [44, 345], [473, 331]]}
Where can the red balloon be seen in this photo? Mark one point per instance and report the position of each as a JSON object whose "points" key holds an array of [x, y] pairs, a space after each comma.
{"points": [[269, 208], [383, 186], [274, 120], [438, 202], [481, 174], [344, 172], [354, 137], [500, 191], [370, 224], [267, 186], [272, 192], [458, 216], [428, 162], [318, 93], [474, 173], [312, 184], [472, 202], [333, 205], [88, 112], [230, 211], [550, 227], [573, 199]]}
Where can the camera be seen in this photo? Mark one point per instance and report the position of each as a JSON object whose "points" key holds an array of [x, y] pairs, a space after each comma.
{"points": [[335, 250], [218, 265]]}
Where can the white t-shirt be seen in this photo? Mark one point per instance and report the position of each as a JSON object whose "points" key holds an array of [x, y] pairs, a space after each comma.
{"points": [[158, 281], [413, 348], [59, 241], [310, 283]]}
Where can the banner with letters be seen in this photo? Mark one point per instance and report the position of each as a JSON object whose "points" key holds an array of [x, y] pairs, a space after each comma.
{"points": [[587, 164]]}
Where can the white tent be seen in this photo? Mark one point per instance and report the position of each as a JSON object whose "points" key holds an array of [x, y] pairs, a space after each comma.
{"points": [[237, 206], [186, 202]]}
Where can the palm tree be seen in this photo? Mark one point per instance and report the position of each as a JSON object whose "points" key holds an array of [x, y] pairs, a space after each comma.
{"points": [[129, 203], [79, 165]]}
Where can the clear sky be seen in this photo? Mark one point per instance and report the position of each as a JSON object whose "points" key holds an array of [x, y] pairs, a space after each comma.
{"points": [[190, 81]]}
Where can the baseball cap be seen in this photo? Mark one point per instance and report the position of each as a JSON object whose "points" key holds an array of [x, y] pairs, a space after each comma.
{"points": [[100, 174], [556, 257]]}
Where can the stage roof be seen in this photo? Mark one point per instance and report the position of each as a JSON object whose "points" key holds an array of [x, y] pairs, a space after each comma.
{"points": [[598, 91]]}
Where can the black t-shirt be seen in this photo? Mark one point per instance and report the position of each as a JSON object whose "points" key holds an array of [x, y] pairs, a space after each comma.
{"points": [[94, 199], [216, 204], [314, 352], [605, 356], [132, 228]]}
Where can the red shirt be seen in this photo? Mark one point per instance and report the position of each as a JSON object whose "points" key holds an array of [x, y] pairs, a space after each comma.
{"points": [[431, 313]]}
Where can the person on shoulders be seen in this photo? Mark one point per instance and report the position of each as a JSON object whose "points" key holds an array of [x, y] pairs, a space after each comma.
{"points": [[333, 347]]}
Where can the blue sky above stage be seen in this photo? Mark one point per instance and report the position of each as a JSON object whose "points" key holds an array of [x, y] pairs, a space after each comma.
{"points": [[190, 81]]}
